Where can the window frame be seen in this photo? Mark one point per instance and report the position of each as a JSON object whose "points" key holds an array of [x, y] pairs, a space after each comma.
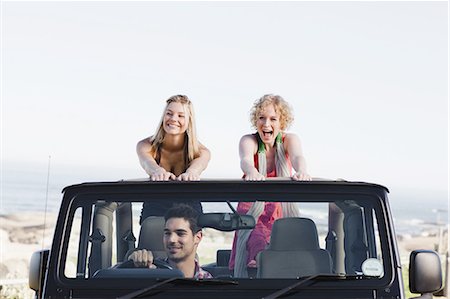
{"points": [[85, 201]]}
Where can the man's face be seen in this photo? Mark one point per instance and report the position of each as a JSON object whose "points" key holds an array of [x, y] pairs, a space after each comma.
{"points": [[179, 240]]}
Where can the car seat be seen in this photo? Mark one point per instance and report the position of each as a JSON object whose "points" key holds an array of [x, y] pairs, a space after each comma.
{"points": [[151, 236], [293, 251]]}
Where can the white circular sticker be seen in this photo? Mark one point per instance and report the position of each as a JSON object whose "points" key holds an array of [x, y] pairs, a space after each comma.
{"points": [[372, 267]]}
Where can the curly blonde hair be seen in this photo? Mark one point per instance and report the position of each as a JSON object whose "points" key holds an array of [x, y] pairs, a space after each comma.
{"points": [[281, 106]]}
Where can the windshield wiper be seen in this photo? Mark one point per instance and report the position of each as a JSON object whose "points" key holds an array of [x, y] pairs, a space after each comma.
{"points": [[296, 285], [190, 281]]}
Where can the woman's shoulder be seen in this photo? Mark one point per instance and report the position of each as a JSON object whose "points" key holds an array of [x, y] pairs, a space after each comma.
{"points": [[287, 136], [248, 144], [249, 137], [146, 142], [291, 139], [249, 140]]}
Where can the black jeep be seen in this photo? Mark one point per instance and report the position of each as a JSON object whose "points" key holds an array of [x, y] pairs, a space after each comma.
{"points": [[343, 244]]}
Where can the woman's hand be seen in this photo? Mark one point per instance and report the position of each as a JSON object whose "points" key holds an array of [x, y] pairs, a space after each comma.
{"points": [[189, 176], [161, 174], [252, 264], [254, 176], [301, 176]]}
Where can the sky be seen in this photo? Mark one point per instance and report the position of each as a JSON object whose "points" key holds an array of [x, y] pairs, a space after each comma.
{"points": [[82, 82]]}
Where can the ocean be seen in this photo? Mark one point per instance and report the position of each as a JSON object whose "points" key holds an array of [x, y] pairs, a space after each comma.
{"points": [[25, 189]]}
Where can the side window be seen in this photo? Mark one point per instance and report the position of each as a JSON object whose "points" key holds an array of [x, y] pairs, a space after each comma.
{"points": [[70, 267], [136, 211], [373, 265], [377, 239], [115, 226], [362, 241], [378, 255], [101, 237]]}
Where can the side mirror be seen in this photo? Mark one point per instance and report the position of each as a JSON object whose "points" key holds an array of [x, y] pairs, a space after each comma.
{"points": [[226, 221], [425, 274], [38, 265]]}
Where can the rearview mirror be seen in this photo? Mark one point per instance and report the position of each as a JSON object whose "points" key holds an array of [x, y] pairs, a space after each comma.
{"points": [[226, 221]]}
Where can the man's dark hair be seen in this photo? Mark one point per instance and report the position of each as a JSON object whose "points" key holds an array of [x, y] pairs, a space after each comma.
{"points": [[186, 212]]}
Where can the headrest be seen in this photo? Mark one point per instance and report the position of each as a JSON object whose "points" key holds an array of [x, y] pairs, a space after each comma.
{"points": [[294, 234], [152, 233]]}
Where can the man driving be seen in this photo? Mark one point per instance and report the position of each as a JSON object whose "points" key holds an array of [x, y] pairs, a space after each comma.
{"points": [[181, 238]]}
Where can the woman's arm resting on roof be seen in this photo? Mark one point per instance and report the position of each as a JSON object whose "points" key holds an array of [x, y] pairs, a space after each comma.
{"points": [[197, 166], [295, 152], [247, 149], [156, 172]]}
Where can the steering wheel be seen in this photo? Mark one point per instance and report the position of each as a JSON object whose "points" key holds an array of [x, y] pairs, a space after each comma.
{"points": [[160, 264]]}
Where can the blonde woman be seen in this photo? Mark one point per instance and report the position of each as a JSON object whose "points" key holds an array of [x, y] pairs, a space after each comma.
{"points": [[270, 152], [173, 153]]}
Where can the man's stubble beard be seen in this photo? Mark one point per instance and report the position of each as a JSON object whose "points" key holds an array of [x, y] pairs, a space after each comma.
{"points": [[179, 259]]}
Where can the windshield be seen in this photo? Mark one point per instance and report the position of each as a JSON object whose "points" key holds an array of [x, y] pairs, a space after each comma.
{"points": [[295, 236]]}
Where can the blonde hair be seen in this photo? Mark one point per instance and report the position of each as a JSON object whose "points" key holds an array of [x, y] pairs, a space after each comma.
{"points": [[281, 106], [191, 145]]}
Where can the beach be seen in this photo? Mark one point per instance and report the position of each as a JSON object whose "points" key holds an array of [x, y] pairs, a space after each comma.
{"points": [[22, 234]]}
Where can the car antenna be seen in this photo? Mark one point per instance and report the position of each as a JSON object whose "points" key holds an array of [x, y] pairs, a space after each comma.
{"points": [[45, 208], [46, 198]]}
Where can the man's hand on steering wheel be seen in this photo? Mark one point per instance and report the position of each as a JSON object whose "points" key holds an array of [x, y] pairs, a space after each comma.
{"points": [[142, 258]]}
